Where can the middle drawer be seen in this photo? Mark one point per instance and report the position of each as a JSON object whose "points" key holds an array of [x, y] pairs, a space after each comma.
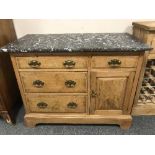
{"points": [[55, 82]]}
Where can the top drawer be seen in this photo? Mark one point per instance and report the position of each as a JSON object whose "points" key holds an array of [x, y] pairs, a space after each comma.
{"points": [[53, 62], [114, 61]]}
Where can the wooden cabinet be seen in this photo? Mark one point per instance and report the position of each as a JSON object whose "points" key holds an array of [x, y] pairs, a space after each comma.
{"points": [[9, 92], [78, 89], [111, 91], [144, 101]]}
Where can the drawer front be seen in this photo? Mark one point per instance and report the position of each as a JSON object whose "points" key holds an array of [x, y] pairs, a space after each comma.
{"points": [[54, 62], [57, 82], [57, 103], [114, 61]]}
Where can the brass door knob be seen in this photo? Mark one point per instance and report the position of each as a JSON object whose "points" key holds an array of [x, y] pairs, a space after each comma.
{"points": [[114, 63], [34, 64], [42, 105], [38, 83], [69, 64], [70, 84], [72, 105]]}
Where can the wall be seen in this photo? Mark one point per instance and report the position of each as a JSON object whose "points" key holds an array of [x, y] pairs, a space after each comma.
{"points": [[25, 26]]}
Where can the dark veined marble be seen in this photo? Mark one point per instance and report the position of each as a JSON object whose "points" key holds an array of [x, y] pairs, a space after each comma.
{"points": [[76, 42]]}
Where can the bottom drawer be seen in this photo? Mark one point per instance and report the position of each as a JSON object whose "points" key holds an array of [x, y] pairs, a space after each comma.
{"points": [[57, 103]]}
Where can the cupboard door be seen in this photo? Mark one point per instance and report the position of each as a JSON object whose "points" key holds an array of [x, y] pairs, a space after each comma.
{"points": [[110, 91]]}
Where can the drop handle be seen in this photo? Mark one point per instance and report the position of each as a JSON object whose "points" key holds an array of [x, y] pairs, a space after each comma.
{"points": [[114, 63], [38, 83], [72, 105], [34, 64], [70, 84], [42, 105], [69, 64]]}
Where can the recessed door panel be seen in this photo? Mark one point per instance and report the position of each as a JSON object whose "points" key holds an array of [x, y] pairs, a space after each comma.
{"points": [[110, 91]]}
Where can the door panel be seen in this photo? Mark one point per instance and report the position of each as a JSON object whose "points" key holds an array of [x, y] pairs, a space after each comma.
{"points": [[112, 91]]}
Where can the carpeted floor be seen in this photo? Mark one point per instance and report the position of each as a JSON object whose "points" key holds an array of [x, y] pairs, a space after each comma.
{"points": [[141, 126]]}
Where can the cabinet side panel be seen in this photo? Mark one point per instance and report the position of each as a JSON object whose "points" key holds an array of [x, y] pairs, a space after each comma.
{"points": [[13, 59]]}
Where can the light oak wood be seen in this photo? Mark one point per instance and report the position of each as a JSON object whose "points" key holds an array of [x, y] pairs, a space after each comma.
{"points": [[150, 56], [144, 109], [57, 103], [123, 120], [108, 112], [148, 30], [146, 25], [20, 85], [110, 89], [142, 59], [104, 88], [102, 61], [54, 81], [111, 84], [53, 70], [141, 76], [153, 44], [144, 35], [89, 85], [54, 62]]}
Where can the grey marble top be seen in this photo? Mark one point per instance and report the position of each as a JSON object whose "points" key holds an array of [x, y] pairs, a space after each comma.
{"points": [[76, 42]]}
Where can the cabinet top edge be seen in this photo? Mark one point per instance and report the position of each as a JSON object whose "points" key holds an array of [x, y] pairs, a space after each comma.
{"points": [[76, 43]]}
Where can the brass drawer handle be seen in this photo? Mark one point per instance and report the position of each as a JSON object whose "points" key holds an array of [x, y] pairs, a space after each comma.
{"points": [[72, 105], [114, 63], [69, 64], [42, 105], [38, 83], [34, 64], [70, 84]]}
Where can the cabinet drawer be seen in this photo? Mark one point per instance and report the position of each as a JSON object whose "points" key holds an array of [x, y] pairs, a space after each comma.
{"points": [[57, 82], [57, 103], [54, 62], [114, 61]]}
